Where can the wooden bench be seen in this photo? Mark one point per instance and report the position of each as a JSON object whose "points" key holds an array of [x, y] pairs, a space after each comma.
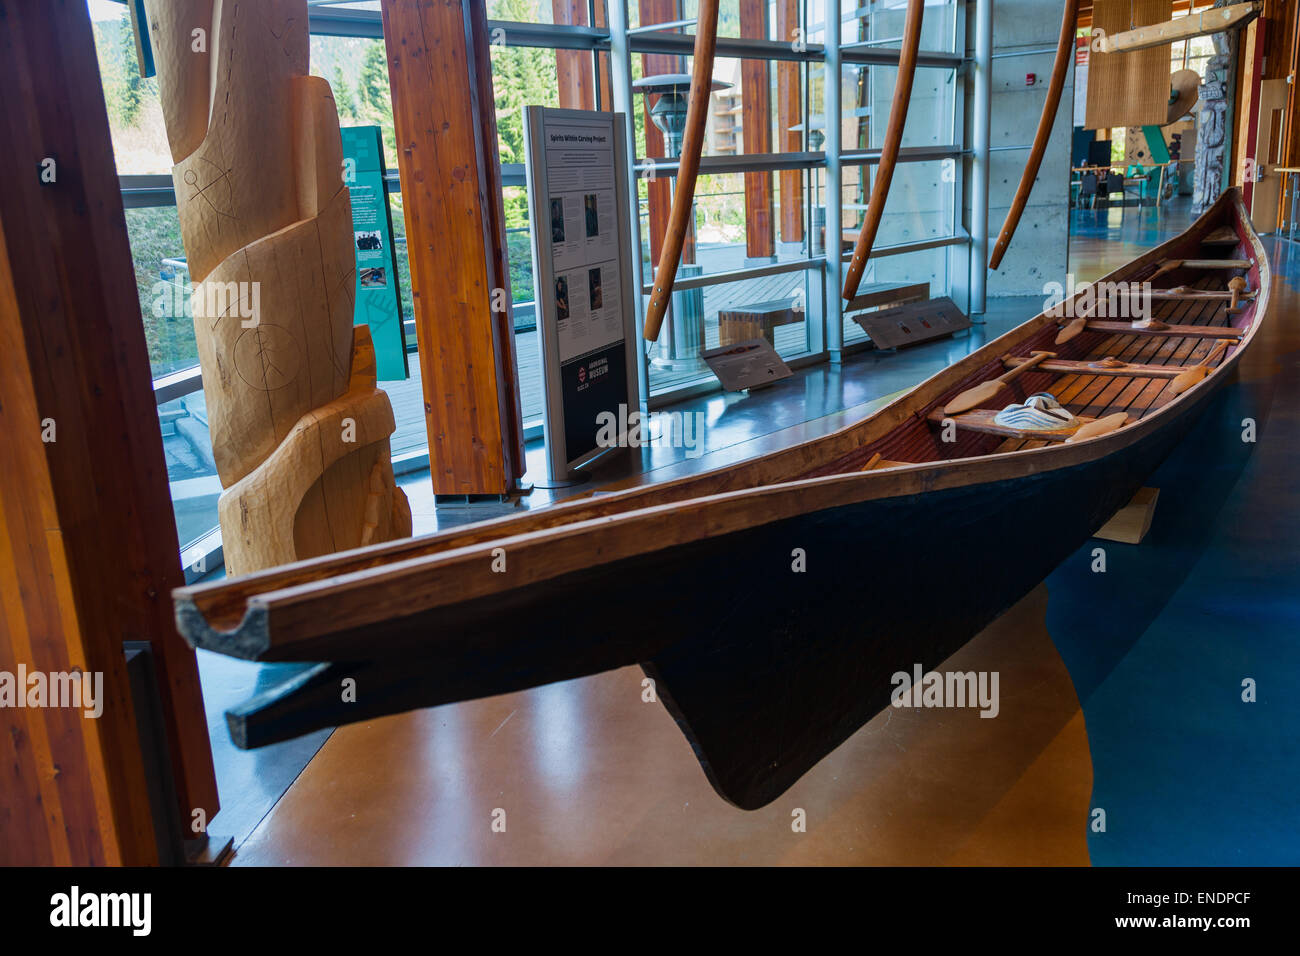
{"points": [[981, 420], [759, 320]]}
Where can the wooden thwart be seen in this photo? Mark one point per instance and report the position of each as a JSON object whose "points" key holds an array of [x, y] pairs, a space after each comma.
{"points": [[1193, 331], [981, 420], [1131, 369], [1169, 265]]}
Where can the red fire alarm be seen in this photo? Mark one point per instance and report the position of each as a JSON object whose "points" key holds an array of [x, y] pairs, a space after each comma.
{"points": [[1030, 78]]}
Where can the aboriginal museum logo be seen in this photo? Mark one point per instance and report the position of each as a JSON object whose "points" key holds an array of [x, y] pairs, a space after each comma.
{"points": [[76, 690]]}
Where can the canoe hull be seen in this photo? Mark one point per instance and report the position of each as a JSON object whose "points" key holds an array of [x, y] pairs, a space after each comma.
{"points": [[766, 669]]}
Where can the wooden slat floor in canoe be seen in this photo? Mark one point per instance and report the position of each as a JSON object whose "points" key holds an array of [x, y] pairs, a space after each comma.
{"points": [[1096, 395]]}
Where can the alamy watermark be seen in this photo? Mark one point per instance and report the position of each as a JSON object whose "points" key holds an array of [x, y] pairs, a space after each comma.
{"points": [[1097, 300], [77, 690], [632, 429], [214, 300], [948, 689]]}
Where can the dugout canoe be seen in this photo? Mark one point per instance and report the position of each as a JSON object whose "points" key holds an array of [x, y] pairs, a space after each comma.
{"points": [[767, 668]]}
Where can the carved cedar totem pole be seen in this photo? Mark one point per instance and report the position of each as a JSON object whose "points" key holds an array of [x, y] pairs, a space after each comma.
{"points": [[300, 432]]}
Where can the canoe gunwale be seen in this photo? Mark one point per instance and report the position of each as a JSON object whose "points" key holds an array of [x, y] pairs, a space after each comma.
{"points": [[237, 619]]}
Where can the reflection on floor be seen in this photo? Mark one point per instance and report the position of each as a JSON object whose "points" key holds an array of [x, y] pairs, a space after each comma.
{"points": [[815, 401], [1156, 648], [1165, 646]]}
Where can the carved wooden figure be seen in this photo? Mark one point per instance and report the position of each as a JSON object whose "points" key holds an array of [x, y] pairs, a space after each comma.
{"points": [[300, 432]]}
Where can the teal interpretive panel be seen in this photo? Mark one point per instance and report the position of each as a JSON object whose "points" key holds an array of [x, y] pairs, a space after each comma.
{"points": [[378, 298]]}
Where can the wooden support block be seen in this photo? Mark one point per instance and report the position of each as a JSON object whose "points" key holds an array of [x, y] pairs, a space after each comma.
{"points": [[1130, 524]]}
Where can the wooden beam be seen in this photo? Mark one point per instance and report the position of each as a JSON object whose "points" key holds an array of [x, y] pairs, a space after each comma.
{"points": [[756, 115], [1214, 20], [88, 549], [573, 67], [1047, 119], [659, 191], [789, 112], [889, 150], [451, 188], [682, 221]]}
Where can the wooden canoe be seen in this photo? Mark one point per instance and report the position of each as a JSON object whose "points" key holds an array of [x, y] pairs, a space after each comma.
{"points": [[765, 668]]}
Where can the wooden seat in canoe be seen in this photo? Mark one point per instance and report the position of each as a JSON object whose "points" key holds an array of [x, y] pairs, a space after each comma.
{"points": [[981, 420], [1095, 367], [1194, 331]]}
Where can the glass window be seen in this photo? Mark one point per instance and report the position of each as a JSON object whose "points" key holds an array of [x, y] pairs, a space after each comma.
{"points": [[775, 307], [191, 469], [742, 220], [134, 111]]}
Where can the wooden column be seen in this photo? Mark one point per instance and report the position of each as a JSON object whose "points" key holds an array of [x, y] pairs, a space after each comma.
{"points": [[789, 112], [603, 76], [659, 193], [88, 550], [441, 79], [1250, 58], [573, 67], [756, 114]]}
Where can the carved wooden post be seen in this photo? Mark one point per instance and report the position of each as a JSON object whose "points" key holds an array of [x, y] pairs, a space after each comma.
{"points": [[300, 433]]}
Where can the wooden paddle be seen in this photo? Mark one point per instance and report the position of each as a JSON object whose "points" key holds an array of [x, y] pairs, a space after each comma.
{"points": [[1187, 379], [688, 167], [889, 149], [1102, 426], [1071, 329], [984, 391], [1237, 287]]}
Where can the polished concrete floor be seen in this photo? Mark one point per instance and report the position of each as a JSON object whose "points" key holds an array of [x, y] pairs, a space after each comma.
{"points": [[1119, 692]]}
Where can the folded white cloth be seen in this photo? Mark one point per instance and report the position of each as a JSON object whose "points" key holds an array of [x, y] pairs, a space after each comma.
{"points": [[1040, 411]]}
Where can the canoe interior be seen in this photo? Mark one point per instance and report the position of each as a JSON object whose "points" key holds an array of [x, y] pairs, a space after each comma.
{"points": [[425, 622]]}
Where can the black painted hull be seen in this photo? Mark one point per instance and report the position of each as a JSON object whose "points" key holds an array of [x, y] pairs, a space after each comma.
{"points": [[765, 669]]}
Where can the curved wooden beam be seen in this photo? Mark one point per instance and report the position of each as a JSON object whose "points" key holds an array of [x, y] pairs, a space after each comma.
{"points": [[1064, 53], [889, 152], [688, 167]]}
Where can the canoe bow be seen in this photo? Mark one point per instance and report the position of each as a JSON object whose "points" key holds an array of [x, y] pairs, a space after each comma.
{"points": [[688, 166], [1064, 52], [889, 151]]}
